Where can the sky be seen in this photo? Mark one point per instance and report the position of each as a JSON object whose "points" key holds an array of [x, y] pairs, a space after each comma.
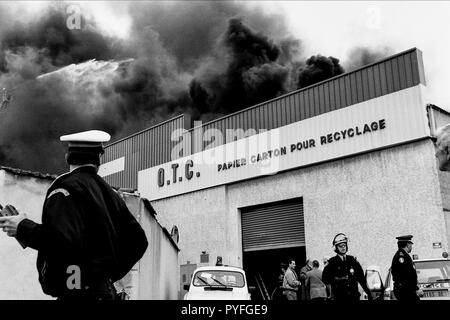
{"points": [[337, 26]]}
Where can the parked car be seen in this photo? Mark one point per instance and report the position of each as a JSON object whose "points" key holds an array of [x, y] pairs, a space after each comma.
{"points": [[433, 277], [218, 283]]}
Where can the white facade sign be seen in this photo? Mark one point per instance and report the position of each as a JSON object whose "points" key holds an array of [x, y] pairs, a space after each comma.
{"points": [[112, 167], [378, 123]]}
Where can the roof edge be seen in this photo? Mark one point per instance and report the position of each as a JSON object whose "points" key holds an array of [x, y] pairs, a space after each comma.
{"points": [[34, 174]]}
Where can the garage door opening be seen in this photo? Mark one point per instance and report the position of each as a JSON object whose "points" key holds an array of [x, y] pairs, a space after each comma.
{"points": [[262, 269], [271, 234]]}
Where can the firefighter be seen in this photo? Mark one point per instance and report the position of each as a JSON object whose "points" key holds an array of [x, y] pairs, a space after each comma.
{"points": [[343, 273]]}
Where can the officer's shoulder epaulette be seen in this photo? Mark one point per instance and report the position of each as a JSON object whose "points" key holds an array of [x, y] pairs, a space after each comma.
{"points": [[61, 191]]}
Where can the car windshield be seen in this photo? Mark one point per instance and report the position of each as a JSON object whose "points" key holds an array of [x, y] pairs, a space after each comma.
{"points": [[433, 271], [218, 278]]}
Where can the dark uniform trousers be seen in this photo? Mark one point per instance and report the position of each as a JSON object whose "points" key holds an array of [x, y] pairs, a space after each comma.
{"points": [[102, 290], [85, 224], [344, 276], [404, 276]]}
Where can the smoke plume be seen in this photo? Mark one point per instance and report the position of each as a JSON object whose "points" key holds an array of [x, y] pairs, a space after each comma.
{"points": [[245, 70], [318, 68], [203, 58], [42, 110], [361, 56], [52, 40]]}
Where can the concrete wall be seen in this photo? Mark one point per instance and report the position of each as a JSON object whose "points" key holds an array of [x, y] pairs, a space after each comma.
{"points": [[159, 271], [157, 275], [18, 275], [372, 198], [447, 225], [204, 223], [444, 182]]}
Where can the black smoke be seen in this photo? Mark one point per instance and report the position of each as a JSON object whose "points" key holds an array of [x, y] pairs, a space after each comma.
{"points": [[53, 41], [245, 70], [361, 56], [203, 58], [30, 129], [318, 68], [191, 30], [42, 110]]}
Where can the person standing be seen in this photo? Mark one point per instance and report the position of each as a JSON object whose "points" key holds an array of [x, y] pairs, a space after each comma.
{"points": [[283, 268], [314, 284], [277, 293], [343, 273], [88, 238], [306, 268], [404, 272], [290, 281]]}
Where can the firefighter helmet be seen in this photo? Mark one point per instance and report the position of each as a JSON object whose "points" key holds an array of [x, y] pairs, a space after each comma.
{"points": [[339, 238]]}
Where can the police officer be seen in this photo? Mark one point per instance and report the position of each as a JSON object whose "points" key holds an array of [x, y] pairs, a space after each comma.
{"points": [[343, 273], [404, 272], [88, 238]]}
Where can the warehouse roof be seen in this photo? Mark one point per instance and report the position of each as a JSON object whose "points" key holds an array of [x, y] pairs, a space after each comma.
{"points": [[29, 173]]}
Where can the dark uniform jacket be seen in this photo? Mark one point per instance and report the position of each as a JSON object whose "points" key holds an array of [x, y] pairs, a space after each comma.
{"points": [[343, 276], [86, 224], [404, 272]]}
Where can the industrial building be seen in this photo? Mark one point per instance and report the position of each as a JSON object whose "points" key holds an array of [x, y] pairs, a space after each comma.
{"points": [[351, 154]]}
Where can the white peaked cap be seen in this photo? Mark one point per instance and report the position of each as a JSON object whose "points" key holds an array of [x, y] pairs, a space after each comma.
{"points": [[91, 136]]}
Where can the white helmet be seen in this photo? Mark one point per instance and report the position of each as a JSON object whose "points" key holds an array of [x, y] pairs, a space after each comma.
{"points": [[339, 238]]}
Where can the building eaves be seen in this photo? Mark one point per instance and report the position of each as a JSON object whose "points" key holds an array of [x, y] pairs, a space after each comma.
{"points": [[27, 173]]}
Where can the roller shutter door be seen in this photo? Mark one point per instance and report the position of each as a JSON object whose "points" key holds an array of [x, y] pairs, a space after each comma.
{"points": [[273, 226]]}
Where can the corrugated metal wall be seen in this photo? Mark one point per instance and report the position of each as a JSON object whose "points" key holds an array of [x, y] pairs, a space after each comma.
{"points": [[395, 73], [273, 226], [143, 150], [153, 146]]}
